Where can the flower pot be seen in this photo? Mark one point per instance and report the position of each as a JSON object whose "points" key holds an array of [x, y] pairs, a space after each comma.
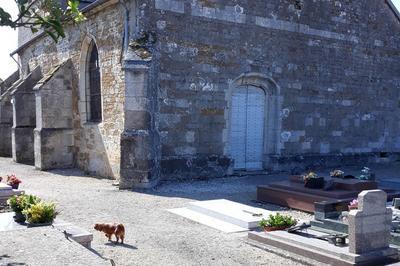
{"points": [[15, 186], [19, 217], [353, 207], [38, 224], [275, 228], [315, 183]]}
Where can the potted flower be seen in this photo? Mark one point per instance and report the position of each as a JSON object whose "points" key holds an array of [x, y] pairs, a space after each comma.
{"points": [[19, 203], [13, 181], [277, 222], [366, 174], [353, 205], [312, 180], [337, 174], [41, 213]]}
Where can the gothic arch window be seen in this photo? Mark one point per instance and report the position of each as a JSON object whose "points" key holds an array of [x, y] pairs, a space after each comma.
{"points": [[93, 85]]}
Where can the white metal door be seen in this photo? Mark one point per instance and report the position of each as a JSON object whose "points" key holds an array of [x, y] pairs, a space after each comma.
{"points": [[247, 127]]}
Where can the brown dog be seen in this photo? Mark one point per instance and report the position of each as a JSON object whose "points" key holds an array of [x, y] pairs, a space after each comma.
{"points": [[112, 229]]}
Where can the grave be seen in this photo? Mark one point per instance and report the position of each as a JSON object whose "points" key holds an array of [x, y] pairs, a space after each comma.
{"points": [[44, 246], [224, 215], [293, 194], [7, 192], [73, 232], [332, 218], [368, 241]]}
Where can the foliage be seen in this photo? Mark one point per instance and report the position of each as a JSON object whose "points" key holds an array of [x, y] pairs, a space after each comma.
{"points": [[310, 175], [22, 202], [366, 174], [41, 212], [142, 45], [278, 220], [337, 173], [13, 180], [46, 15]]}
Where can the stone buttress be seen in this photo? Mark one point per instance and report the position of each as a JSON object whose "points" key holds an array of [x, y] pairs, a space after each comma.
{"points": [[53, 135], [24, 118]]}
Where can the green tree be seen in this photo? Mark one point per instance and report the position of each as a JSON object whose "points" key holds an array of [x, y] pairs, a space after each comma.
{"points": [[46, 15]]}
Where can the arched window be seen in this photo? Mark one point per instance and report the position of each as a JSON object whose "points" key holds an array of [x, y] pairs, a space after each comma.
{"points": [[93, 85]]}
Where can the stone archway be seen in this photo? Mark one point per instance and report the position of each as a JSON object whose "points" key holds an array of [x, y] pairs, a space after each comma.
{"points": [[253, 121]]}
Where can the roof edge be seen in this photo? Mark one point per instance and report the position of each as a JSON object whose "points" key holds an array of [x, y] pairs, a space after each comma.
{"points": [[86, 9]]}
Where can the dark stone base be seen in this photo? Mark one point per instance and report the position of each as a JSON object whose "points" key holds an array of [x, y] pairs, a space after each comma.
{"points": [[139, 165], [312, 162], [53, 148], [199, 167], [5, 140], [293, 194], [22, 145]]}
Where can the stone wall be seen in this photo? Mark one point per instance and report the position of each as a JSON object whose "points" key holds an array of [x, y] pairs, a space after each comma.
{"points": [[335, 65], [53, 135], [96, 146], [6, 114]]}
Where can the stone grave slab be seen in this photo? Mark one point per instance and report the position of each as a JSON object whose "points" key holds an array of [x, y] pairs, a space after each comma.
{"points": [[4, 187], [45, 246], [207, 220], [224, 215], [7, 192], [7, 222], [74, 232], [368, 236], [232, 212], [319, 250], [293, 194]]}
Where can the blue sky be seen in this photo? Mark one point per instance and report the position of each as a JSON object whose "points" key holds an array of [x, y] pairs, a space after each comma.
{"points": [[8, 40]]}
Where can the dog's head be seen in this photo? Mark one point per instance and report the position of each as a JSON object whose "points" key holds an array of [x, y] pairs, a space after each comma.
{"points": [[98, 227]]}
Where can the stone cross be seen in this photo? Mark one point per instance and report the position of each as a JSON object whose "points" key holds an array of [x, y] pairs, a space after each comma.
{"points": [[369, 226]]}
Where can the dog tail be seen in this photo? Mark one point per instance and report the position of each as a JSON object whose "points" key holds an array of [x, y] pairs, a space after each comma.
{"points": [[121, 228]]}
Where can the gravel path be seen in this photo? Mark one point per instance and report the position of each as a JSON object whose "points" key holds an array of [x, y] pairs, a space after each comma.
{"points": [[155, 236]]}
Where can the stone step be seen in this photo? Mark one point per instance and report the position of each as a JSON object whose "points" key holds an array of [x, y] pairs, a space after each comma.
{"points": [[230, 212], [74, 232], [5, 187]]}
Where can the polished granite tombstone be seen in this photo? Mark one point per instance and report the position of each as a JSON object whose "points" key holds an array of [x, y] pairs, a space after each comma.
{"points": [[293, 194]]}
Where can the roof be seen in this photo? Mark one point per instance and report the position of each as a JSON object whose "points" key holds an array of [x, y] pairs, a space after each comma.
{"points": [[85, 6], [82, 3]]}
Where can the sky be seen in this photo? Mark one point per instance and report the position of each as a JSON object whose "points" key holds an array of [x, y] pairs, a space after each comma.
{"points": [[9, 40]]}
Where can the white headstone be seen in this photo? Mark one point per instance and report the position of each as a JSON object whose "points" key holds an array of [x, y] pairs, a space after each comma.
{"points": [[369, 226]]}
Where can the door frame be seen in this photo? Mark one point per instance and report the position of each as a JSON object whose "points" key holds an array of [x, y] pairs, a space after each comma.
{"points": [[272, 114]]}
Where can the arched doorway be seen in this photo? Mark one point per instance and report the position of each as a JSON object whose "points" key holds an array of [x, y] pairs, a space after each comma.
{"points": [[247, 127]]}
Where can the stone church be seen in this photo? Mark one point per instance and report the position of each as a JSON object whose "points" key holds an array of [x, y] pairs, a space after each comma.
{"points": [[150, 90]]}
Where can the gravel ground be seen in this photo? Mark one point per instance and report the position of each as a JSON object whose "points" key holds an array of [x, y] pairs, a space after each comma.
{"points": [[153, 235]]}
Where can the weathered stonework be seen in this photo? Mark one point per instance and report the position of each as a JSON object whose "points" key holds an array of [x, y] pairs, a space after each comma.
{"points": [[169, 69], [24, 118], [6, 114], [95, 146], [53, 141]]}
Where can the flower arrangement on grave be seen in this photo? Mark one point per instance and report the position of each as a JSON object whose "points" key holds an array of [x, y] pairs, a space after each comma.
{"points": [[20, 203], [40, 213], [13, 181], [337, 173], [353, 205], [366, 174], [312, 180], [277, 222]]}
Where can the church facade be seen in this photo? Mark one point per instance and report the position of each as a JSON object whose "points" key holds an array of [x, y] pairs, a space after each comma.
{"points": [[150, 90]]}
